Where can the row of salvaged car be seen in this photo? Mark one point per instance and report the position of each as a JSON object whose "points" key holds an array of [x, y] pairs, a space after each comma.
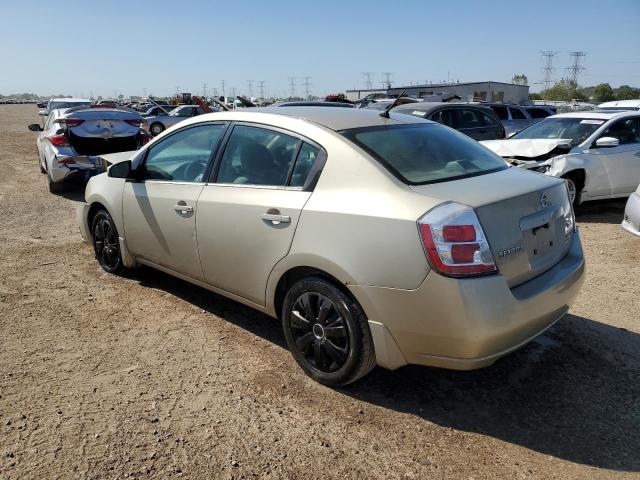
{"points": [[376, 237]]}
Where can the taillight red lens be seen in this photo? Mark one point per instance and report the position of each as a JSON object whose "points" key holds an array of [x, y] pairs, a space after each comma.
{"points": [[135, 123], [455, 242], [72, 122], [59, 140]]}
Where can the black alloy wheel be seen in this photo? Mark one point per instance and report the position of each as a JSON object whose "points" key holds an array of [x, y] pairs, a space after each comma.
{"points": [[105, 242], [327, 332]]}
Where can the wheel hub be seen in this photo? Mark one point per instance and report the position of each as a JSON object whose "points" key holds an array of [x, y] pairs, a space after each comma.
{"points": [[318, 332]]}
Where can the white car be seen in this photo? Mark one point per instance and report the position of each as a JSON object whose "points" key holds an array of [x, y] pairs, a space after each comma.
{"points": [[61, 103], [596, 152], [72, 139], [620, 105], [631, 219]]}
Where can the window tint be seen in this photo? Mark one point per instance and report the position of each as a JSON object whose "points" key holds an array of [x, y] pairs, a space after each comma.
{"points": [[426, 153], [538, 112], [446, 117], [183, 157], [306, 158], [256, 156], [470, 118], [185, 112], [501, 112], [626, 131], [488, 119], [516, 114]]}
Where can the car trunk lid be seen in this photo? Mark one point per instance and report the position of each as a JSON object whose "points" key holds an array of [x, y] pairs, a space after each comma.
{"points": [[522, 214]]}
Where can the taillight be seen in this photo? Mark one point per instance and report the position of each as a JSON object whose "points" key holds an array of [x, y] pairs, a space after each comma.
{"points": [[569, 215], [72, 122], [135, 123], [59, 140], [454, 241]]}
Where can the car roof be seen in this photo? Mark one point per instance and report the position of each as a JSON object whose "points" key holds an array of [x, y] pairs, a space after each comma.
{"points": [[596, 114], [338, 119], [621, 103], [429, 106]]}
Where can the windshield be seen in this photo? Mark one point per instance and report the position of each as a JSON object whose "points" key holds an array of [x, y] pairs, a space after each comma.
{"points": [[575, 129], [425, 152]]}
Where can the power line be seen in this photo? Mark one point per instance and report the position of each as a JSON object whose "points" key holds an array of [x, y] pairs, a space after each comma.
{"points": [[387, 79], [292, 87], [306, 84], [368, 80], [575, 68], [547, 69]]}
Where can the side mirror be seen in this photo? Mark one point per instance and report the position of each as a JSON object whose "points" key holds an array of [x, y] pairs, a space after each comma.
{"points": [[42, 113], [35, 127], [121, 170], [607, 142]]}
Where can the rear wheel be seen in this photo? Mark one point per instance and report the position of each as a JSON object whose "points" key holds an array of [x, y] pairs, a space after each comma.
{"points": [[106, 244], [55, 187], [327, 332], [156, 128], [575, 183]]}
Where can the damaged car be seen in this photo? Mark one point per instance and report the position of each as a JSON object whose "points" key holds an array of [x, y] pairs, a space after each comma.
{"points": [[596, 152], [72, 140]]}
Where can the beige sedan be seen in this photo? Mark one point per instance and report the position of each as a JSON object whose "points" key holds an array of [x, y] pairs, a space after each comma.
{"points": [[376, 240]]}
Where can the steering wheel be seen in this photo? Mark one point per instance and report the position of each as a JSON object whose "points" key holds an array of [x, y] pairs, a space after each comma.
{"points": [[194, 170]]}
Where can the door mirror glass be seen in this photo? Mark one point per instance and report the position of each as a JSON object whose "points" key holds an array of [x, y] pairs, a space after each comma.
{"points": [[35, 127], [607, 142], [120, 170]]}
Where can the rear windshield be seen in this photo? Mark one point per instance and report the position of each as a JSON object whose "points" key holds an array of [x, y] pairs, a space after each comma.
{"points": [[425, 152]]}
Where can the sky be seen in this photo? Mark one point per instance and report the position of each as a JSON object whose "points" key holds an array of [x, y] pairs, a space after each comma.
{"points": [[154, 47]]}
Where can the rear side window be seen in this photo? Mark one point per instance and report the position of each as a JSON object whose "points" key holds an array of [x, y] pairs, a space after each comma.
{"points": [[446, 117], [470, 118], [501, 112], [306, 158], [538, 112], [257, 156], [425, 153], [488, 119], [516, 114]]}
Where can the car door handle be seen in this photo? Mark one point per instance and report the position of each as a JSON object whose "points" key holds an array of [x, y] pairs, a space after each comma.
{"points": [[272, 217], [183, 208]]}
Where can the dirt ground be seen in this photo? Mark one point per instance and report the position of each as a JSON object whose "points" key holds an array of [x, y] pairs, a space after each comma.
{"points": [[146, 376]]}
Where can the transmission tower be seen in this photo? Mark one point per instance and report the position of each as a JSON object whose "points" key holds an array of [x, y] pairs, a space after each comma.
{"points": [[261, 86], [576, 67], [292, 87], [223, 92], [204, 89], [307, 84], [250, 84], [368, 80], [547, 57], [387, 79]]}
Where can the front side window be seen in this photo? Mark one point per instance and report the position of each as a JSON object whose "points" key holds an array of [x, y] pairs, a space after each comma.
{"points": [[470, 118], [627, 131], [517, 114], [446, 117], [256, 156], [575, 129], [425, 153], [501, 112], [183, 112], [489, 120], [184, 156], [538, 112]]}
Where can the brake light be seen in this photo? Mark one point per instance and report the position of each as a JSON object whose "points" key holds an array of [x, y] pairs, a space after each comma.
{"points": [[59, 140], [135, 123], [454, 241], [71, 122]]}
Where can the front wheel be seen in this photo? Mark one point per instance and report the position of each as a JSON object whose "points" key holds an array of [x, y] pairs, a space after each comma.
{"points": [[156, 128], [574, 189], [105, 242], [327, 332]]}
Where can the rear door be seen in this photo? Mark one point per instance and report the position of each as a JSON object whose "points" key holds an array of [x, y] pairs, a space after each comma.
{"points": [[159, 211], [473, 123], [247, 215]]}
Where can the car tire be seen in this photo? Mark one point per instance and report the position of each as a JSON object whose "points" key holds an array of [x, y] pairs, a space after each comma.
{"points": [[574, 186], [156, 128], [106, 245], [327, 332], [55, 187]]}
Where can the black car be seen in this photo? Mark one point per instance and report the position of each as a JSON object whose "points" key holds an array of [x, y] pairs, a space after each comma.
{"points": [[476, 121]]}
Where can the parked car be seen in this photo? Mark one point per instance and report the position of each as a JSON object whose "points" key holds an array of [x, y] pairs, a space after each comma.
{"points": [[375, 240], [159, 123], [312, 104], [513, 117], [596, 152], [71, 140], [61, 103], [476, 121], [158, 110], [631, 219], [633, 105], [540, 111]]}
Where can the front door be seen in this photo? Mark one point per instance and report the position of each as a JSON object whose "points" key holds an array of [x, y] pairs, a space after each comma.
{"points": [[247, 217], [159, 211]]}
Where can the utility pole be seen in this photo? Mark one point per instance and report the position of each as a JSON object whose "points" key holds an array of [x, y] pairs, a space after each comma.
{"points": [[548, 56], [575, 68], [368, 80], [292, 87], [387, 79], [306, 84], [233, 92], [250, 84], [261, 86]]}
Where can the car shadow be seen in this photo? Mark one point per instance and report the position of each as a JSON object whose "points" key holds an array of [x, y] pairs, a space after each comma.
{"points": [[572, 393], [601, 211]]}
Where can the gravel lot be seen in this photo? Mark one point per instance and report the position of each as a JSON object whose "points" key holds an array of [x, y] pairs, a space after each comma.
{"points": [[150, 377]]}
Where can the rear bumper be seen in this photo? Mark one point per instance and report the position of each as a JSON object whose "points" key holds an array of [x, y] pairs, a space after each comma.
{"points": [[631, 220], [468, 323], [75, 167]]}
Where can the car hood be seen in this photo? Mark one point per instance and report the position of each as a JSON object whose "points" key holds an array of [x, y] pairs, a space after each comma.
{"points": [[527, 148]]}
